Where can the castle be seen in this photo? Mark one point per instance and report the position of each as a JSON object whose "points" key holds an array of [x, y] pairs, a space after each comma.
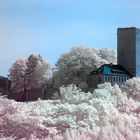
{"points": [[128, 64], [128, 60]]}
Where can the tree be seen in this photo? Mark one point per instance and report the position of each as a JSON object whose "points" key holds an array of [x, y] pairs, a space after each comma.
{"points": [[29, 73], [16, 75], [132, 88], [107, 55], [31, 64], [105, 114], [73, 67]]}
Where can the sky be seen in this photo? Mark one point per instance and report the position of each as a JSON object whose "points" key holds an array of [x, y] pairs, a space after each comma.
{"points": [[51, 27]]}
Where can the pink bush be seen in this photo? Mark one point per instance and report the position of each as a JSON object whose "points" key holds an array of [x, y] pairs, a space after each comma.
{"points": [[105, 114], [132, 88]]}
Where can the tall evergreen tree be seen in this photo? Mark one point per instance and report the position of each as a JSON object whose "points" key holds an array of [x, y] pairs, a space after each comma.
{"points": [[30, 73], [31, 64]]}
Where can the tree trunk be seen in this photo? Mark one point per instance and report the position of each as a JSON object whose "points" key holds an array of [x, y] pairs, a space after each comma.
{"points": [[24, 97]]}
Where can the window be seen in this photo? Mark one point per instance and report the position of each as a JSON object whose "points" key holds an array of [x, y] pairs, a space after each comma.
{"points": [[105, 78], [109, 78], [119, 79], [99, 79], [114, 79], [124, 79]]}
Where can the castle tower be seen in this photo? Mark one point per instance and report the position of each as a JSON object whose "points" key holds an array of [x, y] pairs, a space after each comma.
{"points": [[128, 49]]}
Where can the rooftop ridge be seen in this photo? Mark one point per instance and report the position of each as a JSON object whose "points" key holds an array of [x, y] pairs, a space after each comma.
{"points": [[127, 28]]}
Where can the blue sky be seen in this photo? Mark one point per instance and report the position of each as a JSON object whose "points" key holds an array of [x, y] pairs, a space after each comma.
{"points": [[52, 27]]}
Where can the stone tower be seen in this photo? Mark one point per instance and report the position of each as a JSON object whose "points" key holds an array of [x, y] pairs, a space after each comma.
{"points": [[128, 49]]}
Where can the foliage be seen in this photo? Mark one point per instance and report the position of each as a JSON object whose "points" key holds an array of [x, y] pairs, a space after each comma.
{"points": [[31, 64], [29, 73], [16, 74], [132, 88], [105, 114], [73, 67]]}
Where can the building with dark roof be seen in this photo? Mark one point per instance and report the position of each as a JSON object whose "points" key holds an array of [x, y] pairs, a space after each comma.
{"points": [[5, 85], [128, 60], [115, 74]]}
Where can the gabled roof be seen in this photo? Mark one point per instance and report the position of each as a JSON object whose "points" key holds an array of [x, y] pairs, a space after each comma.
{"points": [[110, 69]]}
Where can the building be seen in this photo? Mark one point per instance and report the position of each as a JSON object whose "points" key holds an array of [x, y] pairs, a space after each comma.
{"points": [[5, 85], [128, 49], [115, 74], [128, 60]]}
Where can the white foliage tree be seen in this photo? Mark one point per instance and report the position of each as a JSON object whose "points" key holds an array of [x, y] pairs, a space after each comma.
{"points": [[31, 63], [73, 67], [16, 74], [42, 73], [132, 88], [73, 95], [29, 73], [105, 114], [107, 55]]}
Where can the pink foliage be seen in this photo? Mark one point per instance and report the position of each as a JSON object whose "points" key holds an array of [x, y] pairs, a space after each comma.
{"points": [[106, 114]]}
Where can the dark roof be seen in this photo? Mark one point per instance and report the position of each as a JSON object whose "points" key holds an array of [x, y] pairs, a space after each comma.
{"points": [[110, 69], [128, 28], [2, 77]]}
